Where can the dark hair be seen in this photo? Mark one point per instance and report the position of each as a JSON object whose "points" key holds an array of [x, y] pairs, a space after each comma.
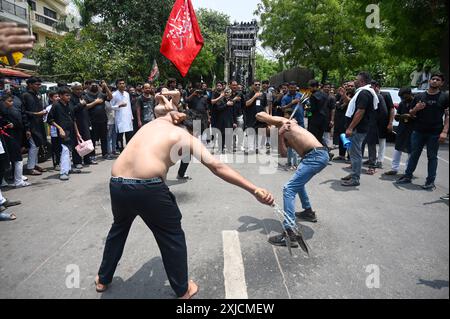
{"points": [[171, 80], [255, 81], [404, 90], [51, 94], [120, 80], [365, 76], [326, 84], [438, 74], [292, 83], [313, 83], [33, 80], [375, 83], [265, 82], [64, 90], [7, 96]]}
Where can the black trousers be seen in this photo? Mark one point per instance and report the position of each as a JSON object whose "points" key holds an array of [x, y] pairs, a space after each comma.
{"points": [[184, 166], [157, 207], [56, 151], [128, 137], [100, 132]]}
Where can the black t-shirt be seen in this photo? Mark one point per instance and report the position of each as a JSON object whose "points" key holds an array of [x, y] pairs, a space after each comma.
{"points": [[97, 114], [198, 103], [364, 101], [64, 116], [430, 120], [259, 105]]}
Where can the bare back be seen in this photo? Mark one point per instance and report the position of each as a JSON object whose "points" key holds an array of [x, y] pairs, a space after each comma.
{"points": [[300, 139], [148, 154]]}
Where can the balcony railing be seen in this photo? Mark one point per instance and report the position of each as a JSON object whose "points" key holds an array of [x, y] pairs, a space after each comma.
{"points": [[45, 20], [13, 9]]}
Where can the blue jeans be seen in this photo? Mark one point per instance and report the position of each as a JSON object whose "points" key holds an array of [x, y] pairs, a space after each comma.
{"points": [[111, 138], [419, 141], [356, 155], [292, 159], [312, 164]]}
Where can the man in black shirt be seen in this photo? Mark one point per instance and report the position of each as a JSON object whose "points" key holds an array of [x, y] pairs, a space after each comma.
{"points": [[404, 130], [62, 116], [79, 107], [359, 113], [256, 102], [34, 124], [428, 129], [145, 105], [96, 107], [319, 103]]}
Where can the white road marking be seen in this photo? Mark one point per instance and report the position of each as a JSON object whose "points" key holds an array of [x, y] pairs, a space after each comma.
{"points": [[233, 269]]}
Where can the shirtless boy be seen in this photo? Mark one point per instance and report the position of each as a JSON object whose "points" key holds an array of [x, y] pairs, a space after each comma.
{"points": [[314, 159], [138, 188]]}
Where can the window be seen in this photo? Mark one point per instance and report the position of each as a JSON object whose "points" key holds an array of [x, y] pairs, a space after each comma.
{"points": [[50, 13], [32, 4], [36, 36]]}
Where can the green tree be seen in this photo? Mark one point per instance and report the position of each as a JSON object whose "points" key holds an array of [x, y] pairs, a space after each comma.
{"points": [[265, 68], [328, 35], [416, 29]]}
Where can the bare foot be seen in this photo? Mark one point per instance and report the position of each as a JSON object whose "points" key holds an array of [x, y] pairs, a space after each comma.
{"points": [[192, 290], [98, 286]]}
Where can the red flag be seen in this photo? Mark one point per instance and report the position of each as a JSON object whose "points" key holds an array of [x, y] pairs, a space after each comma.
{"points": [[182, 40], [155, 72]]}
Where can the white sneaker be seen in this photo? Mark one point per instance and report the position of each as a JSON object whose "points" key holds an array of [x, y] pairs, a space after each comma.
{"points": [[64, 177], [24, 178], [21, 185]]}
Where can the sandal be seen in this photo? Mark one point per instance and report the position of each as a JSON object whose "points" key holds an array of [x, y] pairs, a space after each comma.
{"points": [[34, 172], [7, 217], [40, 169], [371, 171], [100, 288]]}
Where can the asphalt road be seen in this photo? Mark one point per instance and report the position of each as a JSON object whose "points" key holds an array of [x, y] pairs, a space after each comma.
{"points": [[379, 240]]}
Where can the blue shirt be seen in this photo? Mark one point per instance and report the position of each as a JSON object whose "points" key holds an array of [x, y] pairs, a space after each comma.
{"points": [[300, 114]]}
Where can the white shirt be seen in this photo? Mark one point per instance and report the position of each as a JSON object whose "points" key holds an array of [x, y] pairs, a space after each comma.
{"points": [[53, 130], [124, 115]]}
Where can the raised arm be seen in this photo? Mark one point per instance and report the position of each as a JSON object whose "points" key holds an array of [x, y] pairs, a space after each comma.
{"points": [[271, 120]]}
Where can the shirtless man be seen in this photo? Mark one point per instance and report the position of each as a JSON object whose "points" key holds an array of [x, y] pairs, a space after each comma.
{"points": [[138, 188], [314, 159]]}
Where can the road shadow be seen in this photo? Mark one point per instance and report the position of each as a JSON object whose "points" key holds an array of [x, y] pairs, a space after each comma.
{"points": [[50, 177], [175, 182], [267, 226], [336, 186], [149, 282], [439, 201], [435, 284]]}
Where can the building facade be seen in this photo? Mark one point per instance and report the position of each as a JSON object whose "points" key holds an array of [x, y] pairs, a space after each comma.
{"points": [[39, 16]]}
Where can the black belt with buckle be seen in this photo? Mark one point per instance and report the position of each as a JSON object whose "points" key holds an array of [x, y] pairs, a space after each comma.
{"points": [[323, 148]]}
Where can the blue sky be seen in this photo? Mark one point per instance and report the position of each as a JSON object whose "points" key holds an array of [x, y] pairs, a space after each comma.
{"points": [[238, 10]]}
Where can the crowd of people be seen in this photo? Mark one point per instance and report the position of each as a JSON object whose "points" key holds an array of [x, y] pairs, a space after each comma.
{"points": [[111, 114]]}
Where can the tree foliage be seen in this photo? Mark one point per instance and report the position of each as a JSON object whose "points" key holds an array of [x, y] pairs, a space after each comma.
{"points": [[265, 68], [331, 36], [124, 41]]}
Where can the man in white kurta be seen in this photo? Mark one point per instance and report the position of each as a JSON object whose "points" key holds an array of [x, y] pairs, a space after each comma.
{"points": [[121, 103]]}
